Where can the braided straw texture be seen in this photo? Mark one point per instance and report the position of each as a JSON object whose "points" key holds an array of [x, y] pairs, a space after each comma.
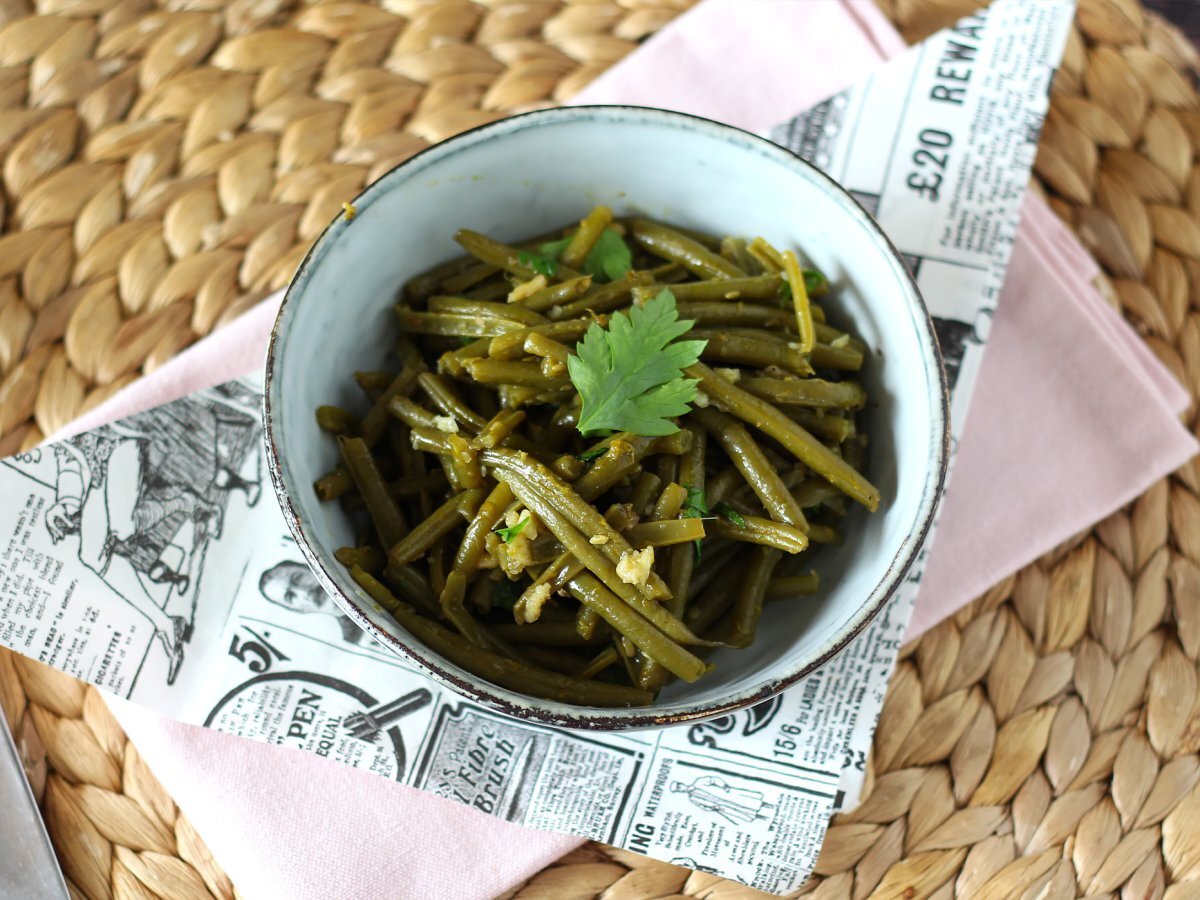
{"points": [[164, 168]]}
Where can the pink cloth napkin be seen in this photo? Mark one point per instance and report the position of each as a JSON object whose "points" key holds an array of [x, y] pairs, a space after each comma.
{"points": [[300, 826]]}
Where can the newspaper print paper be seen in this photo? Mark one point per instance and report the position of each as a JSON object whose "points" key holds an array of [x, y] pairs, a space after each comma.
{"points": [[149, 558]]}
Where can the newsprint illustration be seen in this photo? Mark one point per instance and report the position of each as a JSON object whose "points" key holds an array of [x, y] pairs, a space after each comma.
{"points": [[148, 558]]}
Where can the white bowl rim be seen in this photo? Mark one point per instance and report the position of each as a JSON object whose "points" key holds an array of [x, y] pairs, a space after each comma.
{"points": [[555, 713]]}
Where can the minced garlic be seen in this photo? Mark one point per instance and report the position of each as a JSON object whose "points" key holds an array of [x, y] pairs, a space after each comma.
{"points": [[598, 539], [730, 375], [527, 288], [446, 424], [634, 566], [349, 209], [535, 599], [702, 399]]}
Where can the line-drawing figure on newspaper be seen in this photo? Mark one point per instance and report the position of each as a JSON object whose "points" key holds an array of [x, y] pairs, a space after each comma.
{"points": [[741, 806], [145, 496], [292, 585]]}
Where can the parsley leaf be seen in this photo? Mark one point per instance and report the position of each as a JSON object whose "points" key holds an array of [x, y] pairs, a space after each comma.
{"points": [[630, 376], [505, 593], [539, 264], [609, 259], [727, 512], [507, 534]]}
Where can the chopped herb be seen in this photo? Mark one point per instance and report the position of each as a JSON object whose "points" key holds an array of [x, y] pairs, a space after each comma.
{"points": [[608, 260], [507, 534], [695, 507], [505, 594], [630, 374], [467, 341], [727, 512], [815, 283], [594, 453], [539, 264]]}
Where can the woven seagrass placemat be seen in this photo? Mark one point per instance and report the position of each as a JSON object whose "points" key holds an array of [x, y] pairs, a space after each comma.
{"points": [[165, 166]]}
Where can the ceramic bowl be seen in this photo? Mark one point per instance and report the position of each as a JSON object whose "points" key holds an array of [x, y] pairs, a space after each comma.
{"points": [[528, 174]]}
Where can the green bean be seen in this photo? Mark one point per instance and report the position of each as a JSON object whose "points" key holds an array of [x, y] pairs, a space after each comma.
{"points": [[734, 250], [814, 492], [512, 345], [795, 439], [747, 608], [442, 394], [788, 586], [752, 348], [768, 257], [450, 325], [563, 497], [831, 428], [587, 623], [813, 392], [645, 487], [336, 420], [421, 286], [556, 294], [663, 534], [504, 672], [752, 462], [602, 298], [623, 453], [468, 278], [411, 413], [823, 534], [500, 371], [588, 590], [720, 292], [490, 513], [384, 512], [409, 581], [374, 423], [498, 429], [599, 662], [435, 527], [412, 485], [543, 634], [670, 501], [573, 540], [766, 532], [490, 292], [505, 257], [556, 659], [800, 305], [451, 362], [488, 309], [709, 313], [464, 462], [373, 381], [548, 348], [688, 252], [827, 334], [846, 359], [333, 484], [713, 599], [368, 558], [585, 237]]}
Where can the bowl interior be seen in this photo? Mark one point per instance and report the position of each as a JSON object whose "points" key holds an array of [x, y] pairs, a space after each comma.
{"points": [[532, 173]]}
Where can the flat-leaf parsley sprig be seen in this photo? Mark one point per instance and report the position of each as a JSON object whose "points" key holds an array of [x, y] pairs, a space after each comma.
{"points": [[630, 374]]}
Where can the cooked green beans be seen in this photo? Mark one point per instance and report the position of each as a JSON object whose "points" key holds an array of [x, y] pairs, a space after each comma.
{"points": [[557, 562]]}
